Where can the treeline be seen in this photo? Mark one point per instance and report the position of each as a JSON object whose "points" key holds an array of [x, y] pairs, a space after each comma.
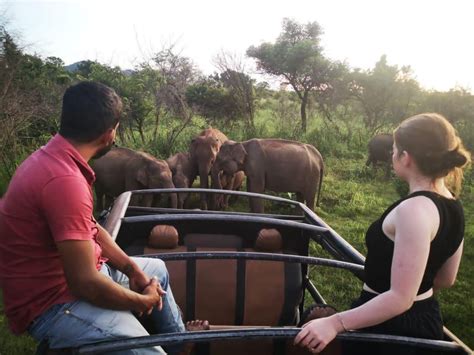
{"points": [[167, 100]]}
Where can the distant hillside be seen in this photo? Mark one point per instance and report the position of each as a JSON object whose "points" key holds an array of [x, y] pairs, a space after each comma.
{"points": [[74, 67], [83, 65]]}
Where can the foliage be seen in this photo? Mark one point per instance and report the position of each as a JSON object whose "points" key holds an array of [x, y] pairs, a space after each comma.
{"points": [[386, 94], [457, 105], [212, 100], [297, 57], [240, 86], [30, 94], [177, 72]]}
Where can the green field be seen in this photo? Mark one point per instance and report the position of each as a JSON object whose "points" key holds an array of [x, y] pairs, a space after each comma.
{"points": [[352, 197]]}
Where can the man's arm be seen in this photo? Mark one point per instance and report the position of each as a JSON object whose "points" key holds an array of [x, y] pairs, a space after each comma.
{"points": [[121, 261], [86, 283], [117, 257]]}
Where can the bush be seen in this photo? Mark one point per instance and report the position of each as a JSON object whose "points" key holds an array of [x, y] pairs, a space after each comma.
{"points": [[401, 187]]}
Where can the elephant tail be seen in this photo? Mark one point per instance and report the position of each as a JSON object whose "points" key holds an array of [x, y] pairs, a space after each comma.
{"points": [[321, 173]]}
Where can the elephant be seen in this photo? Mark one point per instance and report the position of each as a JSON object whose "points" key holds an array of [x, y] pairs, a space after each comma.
{"points": [[184, 173], [273, 164], [228, 182], [380, 150], [203, 151], [123, 169]]}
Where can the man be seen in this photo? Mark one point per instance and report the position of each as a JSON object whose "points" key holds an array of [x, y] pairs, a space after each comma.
{"points": [[56, 284]]}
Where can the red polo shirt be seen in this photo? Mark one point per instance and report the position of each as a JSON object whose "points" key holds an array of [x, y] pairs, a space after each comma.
{"points": [[49, 200]]}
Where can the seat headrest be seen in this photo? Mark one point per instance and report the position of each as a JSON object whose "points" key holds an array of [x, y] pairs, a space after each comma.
{"points": [[269, 240], [163, 237]]}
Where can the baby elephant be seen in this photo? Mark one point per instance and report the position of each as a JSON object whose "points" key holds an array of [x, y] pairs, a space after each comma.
{"points": [[124, 169], [184, 173], [229, 182], [380, 150]]}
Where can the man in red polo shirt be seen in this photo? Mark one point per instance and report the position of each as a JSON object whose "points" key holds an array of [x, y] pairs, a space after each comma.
{"points": [[55, 282]]}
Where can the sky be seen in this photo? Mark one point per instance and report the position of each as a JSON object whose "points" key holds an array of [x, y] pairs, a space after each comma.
{"points": [[433, 37]]}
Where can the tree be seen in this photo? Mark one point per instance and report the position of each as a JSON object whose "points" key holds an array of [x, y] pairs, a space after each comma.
{"points": [[177, 73], [297, 57], [332, 100], [239, 85], [212, 100], [386, 94], [30, 95], [457, 105]]}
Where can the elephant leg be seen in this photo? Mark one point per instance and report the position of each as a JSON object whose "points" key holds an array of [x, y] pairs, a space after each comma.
{"points": [[181, 199], [204, 184], [216, 202], [310, 197], [256, 204], [311, 191], [173, 200], [226, 201], [233, 199], [186, 202]]}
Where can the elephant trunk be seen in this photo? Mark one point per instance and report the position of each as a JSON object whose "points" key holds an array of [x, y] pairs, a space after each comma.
{"points": [[215, 184], [204, 183], [173, 197], [173, 200], [215, 178]]}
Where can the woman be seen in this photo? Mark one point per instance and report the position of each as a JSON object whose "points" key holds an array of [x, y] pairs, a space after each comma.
{"points": [[414, 248]]}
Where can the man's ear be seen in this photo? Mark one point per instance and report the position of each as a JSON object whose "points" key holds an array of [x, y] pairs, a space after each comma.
{"points": [[108, 136]]}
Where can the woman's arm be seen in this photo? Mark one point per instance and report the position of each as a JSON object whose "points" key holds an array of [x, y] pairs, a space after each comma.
{"points": [[414, 225]]}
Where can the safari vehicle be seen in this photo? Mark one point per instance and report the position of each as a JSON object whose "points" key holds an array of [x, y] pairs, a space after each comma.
{"points": [[253, 298]]}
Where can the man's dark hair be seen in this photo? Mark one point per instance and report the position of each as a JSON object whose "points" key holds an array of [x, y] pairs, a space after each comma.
{"points": [[89, 110]]}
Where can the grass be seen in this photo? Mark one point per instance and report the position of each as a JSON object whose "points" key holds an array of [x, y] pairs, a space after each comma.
{"points": [[352, 197], [13, 345]]}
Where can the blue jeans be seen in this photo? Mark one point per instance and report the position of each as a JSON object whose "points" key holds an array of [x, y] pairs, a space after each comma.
{"points": [[78, 323]]}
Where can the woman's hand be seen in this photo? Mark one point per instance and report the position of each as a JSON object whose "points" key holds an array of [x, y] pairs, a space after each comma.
{"points": [[318, 333]]}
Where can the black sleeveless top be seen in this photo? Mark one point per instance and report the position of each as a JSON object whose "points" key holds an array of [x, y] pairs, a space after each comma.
{"points": [[450, 234]]}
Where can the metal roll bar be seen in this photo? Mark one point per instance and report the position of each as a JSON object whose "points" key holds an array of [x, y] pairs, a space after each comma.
{"points": [[257, 333]]}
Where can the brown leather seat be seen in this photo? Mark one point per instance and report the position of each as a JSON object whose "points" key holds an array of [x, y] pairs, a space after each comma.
{"points": [[234, 292]]}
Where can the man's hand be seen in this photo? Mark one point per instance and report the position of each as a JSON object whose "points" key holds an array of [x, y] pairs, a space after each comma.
{"points": [[86, 283], [153, 297]]}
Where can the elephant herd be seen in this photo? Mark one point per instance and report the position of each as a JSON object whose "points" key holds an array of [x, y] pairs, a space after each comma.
{"points": [[267, 164]]}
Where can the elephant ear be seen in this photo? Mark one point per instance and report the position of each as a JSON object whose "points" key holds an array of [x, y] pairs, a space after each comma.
{"points": [[142, 176], [239, 153], [192, 146]]}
